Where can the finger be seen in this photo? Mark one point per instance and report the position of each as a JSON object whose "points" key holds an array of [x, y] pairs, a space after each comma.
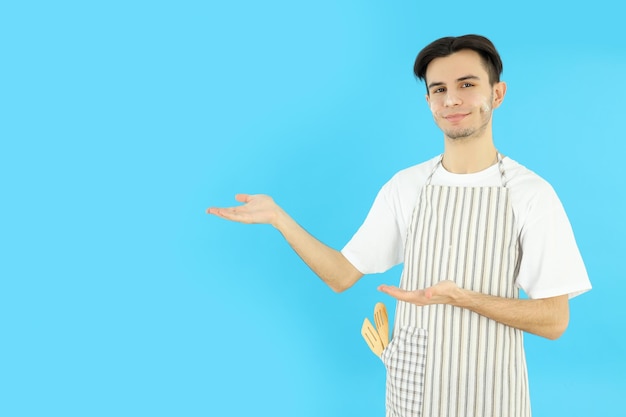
{"points": [[395, 292], [228, 214], [243, 198], [417, 297], [215, 211], [221, 212], [384, 288]]}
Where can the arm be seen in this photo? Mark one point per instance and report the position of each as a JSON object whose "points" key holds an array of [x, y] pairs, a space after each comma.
{"points": [[329, 264], [547, 317]]}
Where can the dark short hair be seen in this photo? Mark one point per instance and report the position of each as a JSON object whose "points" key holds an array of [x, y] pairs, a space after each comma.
{"points": [[447, 46]]}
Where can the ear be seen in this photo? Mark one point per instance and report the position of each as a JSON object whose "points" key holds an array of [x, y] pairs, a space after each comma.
{"points": [[428, 99], [499, 91]]}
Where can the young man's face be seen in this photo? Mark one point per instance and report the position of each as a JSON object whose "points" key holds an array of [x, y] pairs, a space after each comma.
{"points": [[460, 95]]}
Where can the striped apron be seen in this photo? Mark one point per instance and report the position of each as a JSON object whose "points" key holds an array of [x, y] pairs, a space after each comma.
{"points": [[445, 361]]}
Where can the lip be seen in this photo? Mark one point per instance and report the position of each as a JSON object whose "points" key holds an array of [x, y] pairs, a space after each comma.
{"points": [[457, 117]]}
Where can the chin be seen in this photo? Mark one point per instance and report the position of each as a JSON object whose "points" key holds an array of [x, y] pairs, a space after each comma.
{"points": [[460, 134]]}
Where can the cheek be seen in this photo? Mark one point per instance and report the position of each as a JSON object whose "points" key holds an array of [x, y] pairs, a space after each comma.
{"points": [[434, 107], [487, 105], [435, 111], [484, 103]]}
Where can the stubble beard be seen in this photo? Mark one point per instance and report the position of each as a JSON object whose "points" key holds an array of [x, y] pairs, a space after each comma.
{"points": [[461, 133]]}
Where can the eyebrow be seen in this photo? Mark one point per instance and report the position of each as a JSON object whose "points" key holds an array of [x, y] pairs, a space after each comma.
{"points": [[465, 78]]}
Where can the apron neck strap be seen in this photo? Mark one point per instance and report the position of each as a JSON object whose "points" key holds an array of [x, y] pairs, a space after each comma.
{"points": [[500, 167]]}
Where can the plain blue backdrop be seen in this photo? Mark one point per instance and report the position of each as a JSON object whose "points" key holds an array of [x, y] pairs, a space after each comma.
{"points": [[121, 122]]}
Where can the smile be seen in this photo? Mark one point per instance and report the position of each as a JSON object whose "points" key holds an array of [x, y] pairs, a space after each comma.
{"points": [[453, 118]]}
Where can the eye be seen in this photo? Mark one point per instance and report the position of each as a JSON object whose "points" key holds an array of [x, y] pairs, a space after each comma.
{"points": [[465, 85], [438, 90]]}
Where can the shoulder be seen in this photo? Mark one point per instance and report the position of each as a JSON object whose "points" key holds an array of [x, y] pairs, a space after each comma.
{"points": [[411, 178], [532, 196], [523, 180], [399, 195]]}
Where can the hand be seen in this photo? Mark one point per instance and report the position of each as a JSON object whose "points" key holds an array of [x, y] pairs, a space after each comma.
{"points": [[257, 209], [444, 292]]}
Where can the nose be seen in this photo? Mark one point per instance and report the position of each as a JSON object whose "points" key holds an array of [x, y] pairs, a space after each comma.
{"points": [[451, 99]]}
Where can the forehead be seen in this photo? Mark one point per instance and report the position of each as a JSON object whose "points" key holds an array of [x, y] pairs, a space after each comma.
{"points": [[455, 66]]}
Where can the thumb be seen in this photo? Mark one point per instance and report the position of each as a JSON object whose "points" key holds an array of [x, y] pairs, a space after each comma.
{"points": [[243, 198]]}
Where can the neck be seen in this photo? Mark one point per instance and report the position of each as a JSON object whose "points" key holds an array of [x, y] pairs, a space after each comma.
{"points": [[467, 156]]}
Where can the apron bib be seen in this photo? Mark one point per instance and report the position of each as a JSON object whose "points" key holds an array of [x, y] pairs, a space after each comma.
{"points": [[445, 361]]}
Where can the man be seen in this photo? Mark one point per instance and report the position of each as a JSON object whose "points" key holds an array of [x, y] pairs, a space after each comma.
{"points": [[472, 227]]}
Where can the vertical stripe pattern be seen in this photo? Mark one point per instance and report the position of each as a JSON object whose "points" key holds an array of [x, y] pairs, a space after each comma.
{"points": [[474, 366]]}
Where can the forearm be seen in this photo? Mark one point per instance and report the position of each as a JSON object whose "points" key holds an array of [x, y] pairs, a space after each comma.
{"points": [[329, 264], [546, 317]]}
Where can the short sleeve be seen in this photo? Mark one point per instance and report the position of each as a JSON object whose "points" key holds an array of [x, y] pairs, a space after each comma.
{"points": [[378, 244], [551, 263]]}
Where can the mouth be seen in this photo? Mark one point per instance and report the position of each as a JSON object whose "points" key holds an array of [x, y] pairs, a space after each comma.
{"points": [[457, 117]]}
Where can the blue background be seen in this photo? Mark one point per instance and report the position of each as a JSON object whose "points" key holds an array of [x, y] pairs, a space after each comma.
{"points": [[120, 122]]}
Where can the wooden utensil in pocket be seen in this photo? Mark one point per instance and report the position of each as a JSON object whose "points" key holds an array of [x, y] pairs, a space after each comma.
{"points": [[372, 338], [381, 319]]}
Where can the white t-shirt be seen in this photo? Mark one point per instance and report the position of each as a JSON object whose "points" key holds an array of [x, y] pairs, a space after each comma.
{"points": [[550, 263]]}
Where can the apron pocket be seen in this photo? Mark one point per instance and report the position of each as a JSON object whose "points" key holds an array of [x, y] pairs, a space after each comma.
{"points": [[405, 360]]}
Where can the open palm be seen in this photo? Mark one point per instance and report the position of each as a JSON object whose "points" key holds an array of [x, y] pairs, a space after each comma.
{"points": [[256, 209]]}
